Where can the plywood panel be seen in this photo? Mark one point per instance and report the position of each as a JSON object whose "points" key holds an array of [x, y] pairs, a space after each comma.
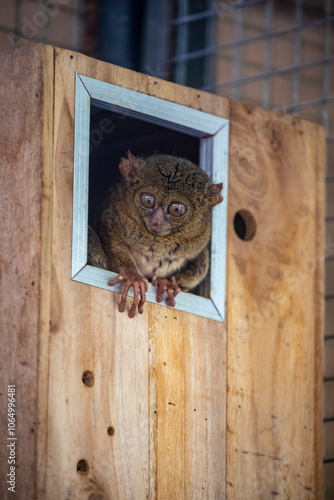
{"points": [[188, 400], [275, 295], [88, 333], [26, 95], [166, 454]]}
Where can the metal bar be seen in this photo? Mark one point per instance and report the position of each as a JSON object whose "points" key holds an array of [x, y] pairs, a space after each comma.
{"points": [[182, 45], [217, 9], [297, 53], [214, 133], [209, 60], [151, 109], [18, 15], [154, 51], [46, 29], [237, 57], [245, 41], [78, 25], [266, 86], [268, 74], [326, 74], [305, 104]]}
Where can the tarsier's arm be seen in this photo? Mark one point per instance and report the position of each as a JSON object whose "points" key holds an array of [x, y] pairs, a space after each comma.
{"points": [[125, 266], [96, 254], [122, 261]]}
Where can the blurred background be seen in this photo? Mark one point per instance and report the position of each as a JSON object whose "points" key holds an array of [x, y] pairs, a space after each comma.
{"points": [[276, 54]]}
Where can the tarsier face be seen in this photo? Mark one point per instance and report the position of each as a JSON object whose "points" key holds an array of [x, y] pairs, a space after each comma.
{"points": [[160, 215], [171, 195]]}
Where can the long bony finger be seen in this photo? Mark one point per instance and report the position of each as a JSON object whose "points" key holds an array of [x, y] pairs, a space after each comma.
{"points": [[122, 302], [143, 289], [135, 302], [115, 281]]}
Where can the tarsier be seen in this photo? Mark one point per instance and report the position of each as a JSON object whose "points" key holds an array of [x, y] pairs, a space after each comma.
{"points": [[156, 226]]}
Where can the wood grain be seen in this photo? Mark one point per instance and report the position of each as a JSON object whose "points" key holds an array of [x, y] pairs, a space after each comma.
{"points": [[26, 95], [275, 307], [188, 401]]}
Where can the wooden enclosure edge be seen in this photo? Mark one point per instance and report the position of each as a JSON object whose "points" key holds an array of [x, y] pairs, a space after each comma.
{"points": [[273, 335]]}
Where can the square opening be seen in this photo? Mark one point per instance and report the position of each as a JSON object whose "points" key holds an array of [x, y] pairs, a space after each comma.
{"points": [[111, 120]]}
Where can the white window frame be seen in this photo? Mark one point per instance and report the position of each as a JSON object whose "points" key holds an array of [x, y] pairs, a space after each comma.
{"points": [[213, 132]]}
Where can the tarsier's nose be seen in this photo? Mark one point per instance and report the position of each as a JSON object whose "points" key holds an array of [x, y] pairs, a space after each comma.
{"points": [[158, 219]]}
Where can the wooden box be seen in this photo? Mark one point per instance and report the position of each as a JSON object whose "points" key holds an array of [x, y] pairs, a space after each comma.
{"points": [[167, 405]]}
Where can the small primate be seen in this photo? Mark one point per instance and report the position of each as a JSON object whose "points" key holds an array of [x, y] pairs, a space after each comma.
{"points": [[156, 226]]}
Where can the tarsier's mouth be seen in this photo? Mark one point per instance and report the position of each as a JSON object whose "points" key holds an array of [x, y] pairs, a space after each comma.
{"points": [[158, 231]]}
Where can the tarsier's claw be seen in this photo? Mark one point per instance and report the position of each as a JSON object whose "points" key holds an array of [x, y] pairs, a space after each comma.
{"points": [[121, 307], [170, 301], [154, 281], [140, 287], [166, 285]]}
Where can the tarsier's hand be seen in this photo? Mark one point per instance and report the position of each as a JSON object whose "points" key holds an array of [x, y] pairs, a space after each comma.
{"points": [[166, 285], [139, 284]]}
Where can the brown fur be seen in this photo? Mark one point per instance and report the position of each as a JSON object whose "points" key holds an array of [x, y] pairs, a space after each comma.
{"points": [[151, 242]]}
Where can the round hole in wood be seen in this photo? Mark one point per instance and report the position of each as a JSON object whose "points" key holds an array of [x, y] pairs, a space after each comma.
{"points": [[88, 378], [111, 431], [82, 467], [244, 225]]}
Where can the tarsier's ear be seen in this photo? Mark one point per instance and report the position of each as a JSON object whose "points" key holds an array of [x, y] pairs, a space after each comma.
{"points": [[213, 193], [128, 166]]}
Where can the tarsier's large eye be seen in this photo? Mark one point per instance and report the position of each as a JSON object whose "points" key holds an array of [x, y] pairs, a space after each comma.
{"points": [[147, 200], [177, 209]]}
